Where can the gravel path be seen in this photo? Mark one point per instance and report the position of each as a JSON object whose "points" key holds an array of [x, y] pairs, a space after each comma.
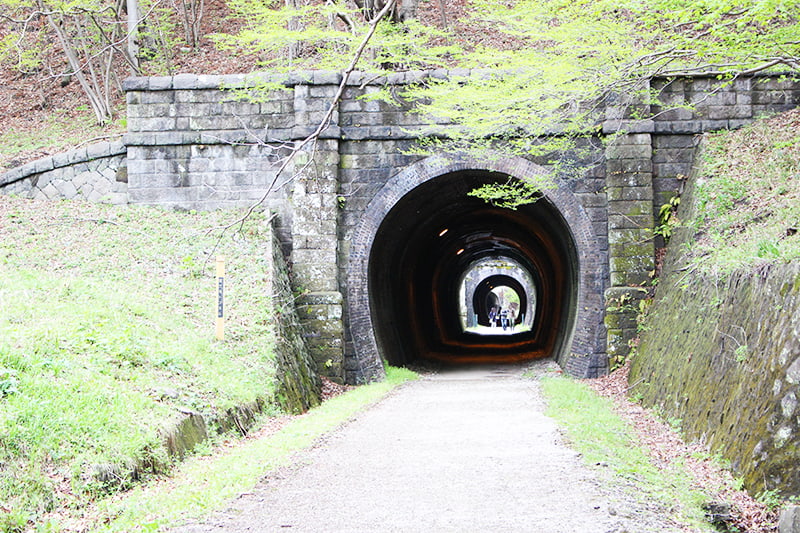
{"points": [[457, 451]]}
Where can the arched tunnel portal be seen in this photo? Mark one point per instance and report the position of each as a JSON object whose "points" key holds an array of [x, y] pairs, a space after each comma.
{"points": [[483, 299], [422, 233]]}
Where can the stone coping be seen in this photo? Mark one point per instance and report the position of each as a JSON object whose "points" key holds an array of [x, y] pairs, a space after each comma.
{"points": [[357, 78], [83, 154]]}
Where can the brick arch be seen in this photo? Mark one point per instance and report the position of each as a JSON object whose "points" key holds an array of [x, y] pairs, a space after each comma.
{"points": [[582, 352]]}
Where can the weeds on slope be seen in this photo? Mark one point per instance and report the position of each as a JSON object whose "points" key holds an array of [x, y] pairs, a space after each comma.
{"points": [[228, 472], [747, 197]]}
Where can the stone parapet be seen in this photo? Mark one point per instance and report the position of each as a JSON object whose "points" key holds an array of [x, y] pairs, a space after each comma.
{"points": [[95, 173]]}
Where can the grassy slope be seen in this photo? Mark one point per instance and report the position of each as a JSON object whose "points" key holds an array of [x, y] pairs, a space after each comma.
{"points": [[747, 197], [106, 334]]}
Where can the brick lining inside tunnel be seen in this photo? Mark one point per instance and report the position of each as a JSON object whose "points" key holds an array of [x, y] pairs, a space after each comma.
{"points": [[404, 276]]}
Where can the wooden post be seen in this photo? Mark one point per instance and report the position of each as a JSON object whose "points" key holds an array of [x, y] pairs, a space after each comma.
{"points": [[220, 297]]}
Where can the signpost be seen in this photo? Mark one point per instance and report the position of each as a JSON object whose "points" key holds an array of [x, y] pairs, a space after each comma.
{"points": [[220, 297]]}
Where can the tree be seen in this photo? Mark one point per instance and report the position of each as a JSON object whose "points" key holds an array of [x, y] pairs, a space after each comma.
{"points": [[324, 34], [570, 57], [403, 10], [97, 39]]}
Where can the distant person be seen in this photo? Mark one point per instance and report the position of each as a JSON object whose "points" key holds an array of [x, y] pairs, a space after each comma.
{"points": [[504, 319], [512, 317], [492, 316]]}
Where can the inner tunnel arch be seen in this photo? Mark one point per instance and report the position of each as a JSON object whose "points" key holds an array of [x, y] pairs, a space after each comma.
{"points": [[484, 277], [405, 269]]}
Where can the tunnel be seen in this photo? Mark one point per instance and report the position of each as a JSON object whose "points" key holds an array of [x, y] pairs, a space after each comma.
{"points": [[426, 242], [484, 297]]}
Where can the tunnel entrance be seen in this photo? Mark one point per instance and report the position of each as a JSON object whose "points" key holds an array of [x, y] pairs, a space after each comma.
{"points": [[432, 237], [493, 289], [420, 236]]}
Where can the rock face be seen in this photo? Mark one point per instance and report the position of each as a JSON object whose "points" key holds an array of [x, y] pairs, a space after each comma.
{"points": [[723, 357]]}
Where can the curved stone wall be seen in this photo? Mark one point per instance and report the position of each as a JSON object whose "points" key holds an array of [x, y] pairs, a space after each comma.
{"points": [[95, 173]]}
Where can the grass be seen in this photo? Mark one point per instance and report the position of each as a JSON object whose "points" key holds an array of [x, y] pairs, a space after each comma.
{"points": [[236, 470], [107, 333], [602, 437], [58, 131], [747, 201]]}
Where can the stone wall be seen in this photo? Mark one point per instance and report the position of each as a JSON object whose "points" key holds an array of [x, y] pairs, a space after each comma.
{"points": [[647, 162], [96, 173], [722, 356], [298, 384]]}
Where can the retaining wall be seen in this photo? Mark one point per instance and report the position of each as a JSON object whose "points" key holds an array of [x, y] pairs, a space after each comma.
{"points": [[723, 358], [96, 173]]}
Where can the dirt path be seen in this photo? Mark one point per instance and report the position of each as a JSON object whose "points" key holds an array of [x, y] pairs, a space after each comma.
{"points": [[457, 451]]}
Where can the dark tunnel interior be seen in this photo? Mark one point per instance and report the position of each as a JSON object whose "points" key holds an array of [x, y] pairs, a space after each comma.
{"points": [[422, 250]]}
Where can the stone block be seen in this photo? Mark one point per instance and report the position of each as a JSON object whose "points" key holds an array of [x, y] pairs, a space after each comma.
{"points": [[314, 256], [618, 194], [713, 125], [184, 81], [44, 164], [674, 141], [663, 170], [66, 189], [625, 236], [618, 166], [674, 114], [633, 279], [159, 83], [635, 179], [316, 277], [632, 267], [789, 521], [643, 221], [629, 151]]}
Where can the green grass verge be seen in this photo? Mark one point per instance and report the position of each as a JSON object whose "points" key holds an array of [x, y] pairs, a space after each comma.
{"points": [[594, 429], [202, 485], [107, 334]]}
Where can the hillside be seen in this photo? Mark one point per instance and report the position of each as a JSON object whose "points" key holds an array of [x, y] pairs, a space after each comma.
{"points": [[107, 340], [746, 212], [717, 349], [45, 112]]}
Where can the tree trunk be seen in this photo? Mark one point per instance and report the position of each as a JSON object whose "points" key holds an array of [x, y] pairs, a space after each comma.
{"points": [[402, 11], [133, 34]]}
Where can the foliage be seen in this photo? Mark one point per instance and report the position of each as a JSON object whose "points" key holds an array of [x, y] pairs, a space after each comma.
{"points": [[511, 194], [324, 36], [571, 57], [668, 218], [106, 332]]}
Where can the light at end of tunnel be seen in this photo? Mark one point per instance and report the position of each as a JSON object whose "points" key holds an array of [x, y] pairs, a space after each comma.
{"points": [[461, 251], [445, 230]]}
